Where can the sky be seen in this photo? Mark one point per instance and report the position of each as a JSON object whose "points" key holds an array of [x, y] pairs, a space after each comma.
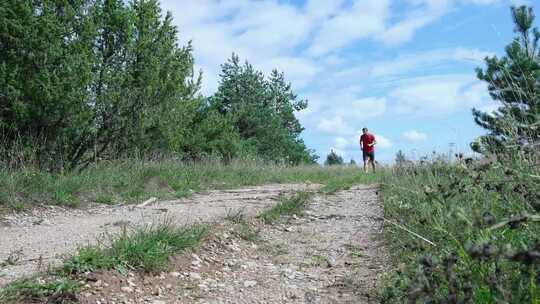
{"points": [[405, 69]]}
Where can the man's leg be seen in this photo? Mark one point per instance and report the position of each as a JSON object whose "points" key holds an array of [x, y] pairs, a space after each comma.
{"points": [[372, 160], [366, 160]]}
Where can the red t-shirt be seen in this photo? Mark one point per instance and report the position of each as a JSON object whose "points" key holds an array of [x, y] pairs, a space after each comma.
{"points": [[367, 139]]}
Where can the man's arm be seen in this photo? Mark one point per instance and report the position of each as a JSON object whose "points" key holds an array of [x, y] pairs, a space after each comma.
{"points": [[373, 143], [360, 142]]}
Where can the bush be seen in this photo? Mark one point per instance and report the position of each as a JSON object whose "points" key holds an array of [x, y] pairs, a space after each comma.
{"points": [[147, 249], [482, 218]]}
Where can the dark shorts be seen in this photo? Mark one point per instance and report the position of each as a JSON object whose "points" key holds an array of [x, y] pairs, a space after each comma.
{"points": [[368, 155]]}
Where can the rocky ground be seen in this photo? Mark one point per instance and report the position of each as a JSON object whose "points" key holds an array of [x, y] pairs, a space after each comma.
{"points": [[29, 242], [333, 253]]}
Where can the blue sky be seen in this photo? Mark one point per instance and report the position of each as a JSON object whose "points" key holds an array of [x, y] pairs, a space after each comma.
{"points": [[403, 68]]}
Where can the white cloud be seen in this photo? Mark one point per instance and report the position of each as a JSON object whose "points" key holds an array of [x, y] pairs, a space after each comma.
{"points": [[323, 8], [415, 136], [383, 142], [333, 125], [362, 109], [363, 19], [342, 116], [423, 13], [341, 143], [263, 32], [271, 32], [299, 71], [436, 95], [423, 60], [414, 62]]}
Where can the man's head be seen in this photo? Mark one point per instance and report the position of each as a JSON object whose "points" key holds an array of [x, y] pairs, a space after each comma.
{"points": [[364, 130]]}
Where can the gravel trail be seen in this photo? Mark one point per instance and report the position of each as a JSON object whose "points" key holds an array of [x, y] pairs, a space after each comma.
{"points": [[30, 242], [332, 253]]}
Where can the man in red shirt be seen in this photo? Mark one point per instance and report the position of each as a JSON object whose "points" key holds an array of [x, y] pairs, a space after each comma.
{"points": [[367, 144]]}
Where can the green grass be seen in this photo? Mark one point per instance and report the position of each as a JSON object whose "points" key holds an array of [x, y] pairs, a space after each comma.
{"points": [[242, 228], [146, 249], [287, 206], [455, 206], [346, 179], [149, 249], [133, 181], [32, 290]]}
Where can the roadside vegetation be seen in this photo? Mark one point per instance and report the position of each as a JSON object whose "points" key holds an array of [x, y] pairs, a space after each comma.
{"points": [[137, 180], [468, 232], [294, 205], [144, 250], [91, 80]]}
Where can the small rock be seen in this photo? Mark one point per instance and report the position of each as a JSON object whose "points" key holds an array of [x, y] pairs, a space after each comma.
{"points": [[126, 289], [196, 257], [175, 274], [195, 275], [330, 262], [249, 283]]}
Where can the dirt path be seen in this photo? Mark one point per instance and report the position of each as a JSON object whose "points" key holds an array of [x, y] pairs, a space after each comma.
{"points": [[332, 254], [32, 241]]}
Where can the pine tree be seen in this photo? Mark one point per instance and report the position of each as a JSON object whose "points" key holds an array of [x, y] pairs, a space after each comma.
{"points": [[333, 159], [513, 81], [400, 158], [263, 112], [84, 79], [46, 64]]}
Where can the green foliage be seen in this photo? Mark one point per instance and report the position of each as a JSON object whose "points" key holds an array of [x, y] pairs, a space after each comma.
{"points": [[475, 223], [262, 110], [513, 81], [132, 181], [46, 64], [400, 158], [87, 80], [287, 206], [57, 290], [481, 218], [213, 135], [147, 249], [333, 159], [344, 178]]}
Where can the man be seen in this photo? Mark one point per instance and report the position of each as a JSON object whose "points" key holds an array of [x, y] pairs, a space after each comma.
{"points": [[367, 144]]}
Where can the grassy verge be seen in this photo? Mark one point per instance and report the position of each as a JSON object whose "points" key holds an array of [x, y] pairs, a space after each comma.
{"points": [[134, 181], [287, 206], [346, 180], [481, 220], [58, 290], [144, 250]]}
